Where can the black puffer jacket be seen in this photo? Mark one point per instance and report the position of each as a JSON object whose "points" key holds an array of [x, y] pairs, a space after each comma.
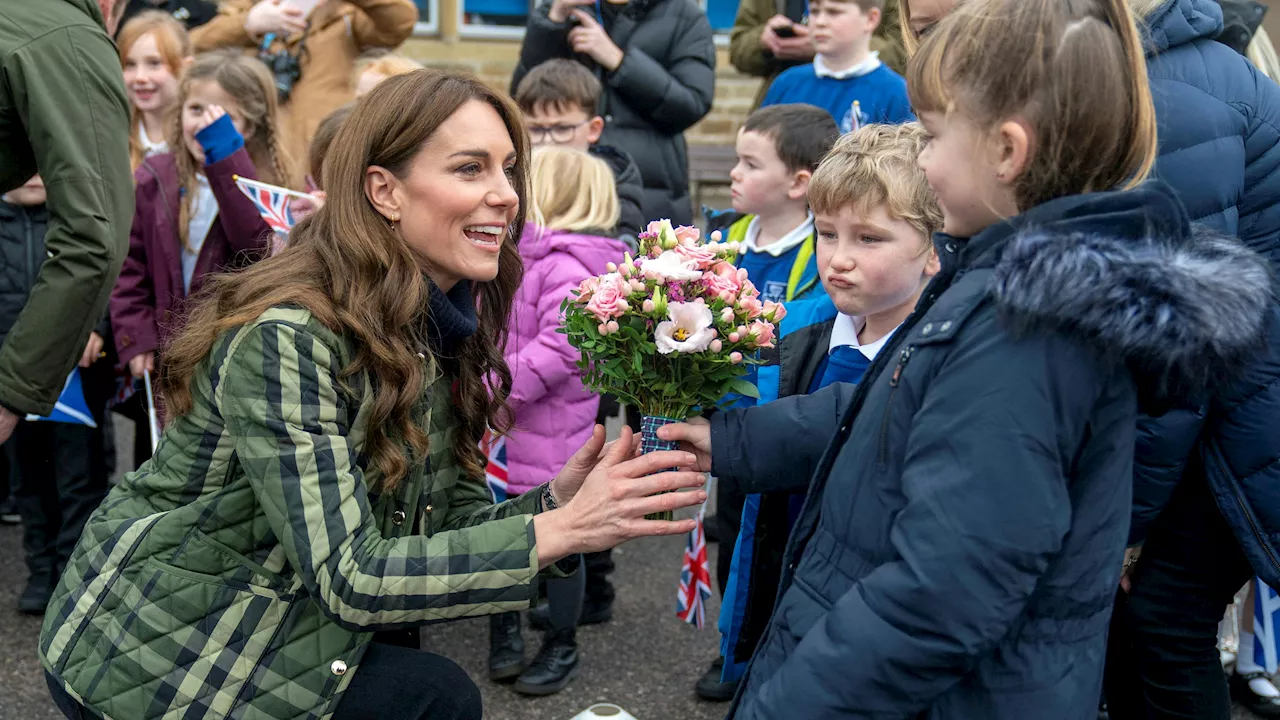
{"points": [[664, 85], [21, 255], [22, 252]]}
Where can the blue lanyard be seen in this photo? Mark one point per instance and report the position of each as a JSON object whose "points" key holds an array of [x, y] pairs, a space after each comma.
{"points": [[600, 13]]}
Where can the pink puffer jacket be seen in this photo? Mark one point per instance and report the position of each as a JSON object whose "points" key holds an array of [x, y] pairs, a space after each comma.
{"points": [[554, 414]]}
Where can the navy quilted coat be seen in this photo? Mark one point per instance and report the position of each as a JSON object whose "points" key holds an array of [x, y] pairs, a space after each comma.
{"points": [[1219, 121], [959, 550]]}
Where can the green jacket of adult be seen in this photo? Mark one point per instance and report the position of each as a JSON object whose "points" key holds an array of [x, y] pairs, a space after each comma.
{"points": [[64, 113], [748, 56], [242, 572]]}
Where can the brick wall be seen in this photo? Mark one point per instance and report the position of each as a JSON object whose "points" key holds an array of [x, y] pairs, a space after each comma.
{"points": [[494, 60]]}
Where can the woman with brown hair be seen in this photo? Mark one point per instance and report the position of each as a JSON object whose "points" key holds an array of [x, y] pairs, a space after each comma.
{"points": [[319, 489]]}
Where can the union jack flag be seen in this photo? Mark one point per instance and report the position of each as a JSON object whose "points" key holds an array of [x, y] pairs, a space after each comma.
{"points": [[495, 472], [695, 577], [272, 203]]}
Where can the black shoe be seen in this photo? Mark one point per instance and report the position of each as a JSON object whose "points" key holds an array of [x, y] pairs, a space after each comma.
{"points": [[506, 647], [555, 665], [709, 686], [9, 512], [1243, 694], [36, 596], [593, 613]]}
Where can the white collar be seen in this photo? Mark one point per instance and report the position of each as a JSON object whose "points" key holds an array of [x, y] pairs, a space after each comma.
{"points": [[871, 63], [782, 244], [148, 145], [845, 332]]}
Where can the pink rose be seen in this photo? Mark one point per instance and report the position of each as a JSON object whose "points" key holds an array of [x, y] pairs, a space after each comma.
{"points": [[699, 254], [751, 307], [715, 346], [774, 312], [607, 301], [722, 281], [688, 235], [762, 333], [735, 357], [587, 287]]}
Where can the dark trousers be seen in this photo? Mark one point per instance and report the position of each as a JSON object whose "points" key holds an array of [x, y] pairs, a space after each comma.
{"points": [[395, 683], [392, 683], [729, 516], [63, 471], [1162, 657]]}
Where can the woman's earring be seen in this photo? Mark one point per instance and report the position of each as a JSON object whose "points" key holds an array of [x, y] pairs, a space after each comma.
{"points": [[395, 223]]}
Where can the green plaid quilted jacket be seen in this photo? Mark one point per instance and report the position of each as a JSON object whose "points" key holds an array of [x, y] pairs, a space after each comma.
{"points": [[242, 571]]}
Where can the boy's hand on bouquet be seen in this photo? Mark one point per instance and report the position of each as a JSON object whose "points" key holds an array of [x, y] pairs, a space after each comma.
{"points": [[610, 506], [694, 435]]}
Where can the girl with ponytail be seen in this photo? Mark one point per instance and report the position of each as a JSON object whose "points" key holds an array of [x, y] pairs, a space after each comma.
{"points": [[961, 548], [1206, 509]]}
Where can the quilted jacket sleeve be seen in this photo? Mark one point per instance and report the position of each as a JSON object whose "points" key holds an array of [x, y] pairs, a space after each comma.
{"points": [[1164, 445], [279, 396]]}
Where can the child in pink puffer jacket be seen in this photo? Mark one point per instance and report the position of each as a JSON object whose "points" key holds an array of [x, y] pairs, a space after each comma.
{"points": [[574, 207]]}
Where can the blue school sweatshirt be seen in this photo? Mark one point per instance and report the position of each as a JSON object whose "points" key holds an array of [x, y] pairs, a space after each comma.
{"points": [[880, 94]]}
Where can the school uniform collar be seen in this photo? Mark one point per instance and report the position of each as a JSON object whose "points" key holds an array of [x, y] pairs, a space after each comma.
{"points": [[845, 332], [784, 243], [866, 66]]}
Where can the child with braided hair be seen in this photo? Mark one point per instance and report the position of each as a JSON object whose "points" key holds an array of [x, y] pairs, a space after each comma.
{"points": [[191, 220]]}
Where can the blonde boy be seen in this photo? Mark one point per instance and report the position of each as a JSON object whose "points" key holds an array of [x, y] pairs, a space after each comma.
{"points": [[875, 215]]}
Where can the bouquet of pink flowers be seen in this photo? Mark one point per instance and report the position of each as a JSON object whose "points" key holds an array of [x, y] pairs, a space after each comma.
{"points": [[671, 330]]}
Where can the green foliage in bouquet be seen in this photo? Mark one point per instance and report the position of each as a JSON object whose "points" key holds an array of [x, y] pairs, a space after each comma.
{"points": [[673, 329]]}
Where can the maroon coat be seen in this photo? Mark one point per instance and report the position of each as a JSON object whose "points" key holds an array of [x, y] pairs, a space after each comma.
{"points": [[147, 302]]}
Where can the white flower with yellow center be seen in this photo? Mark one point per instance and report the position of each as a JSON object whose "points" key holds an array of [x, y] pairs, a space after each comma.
{"points": [[687, 329]]}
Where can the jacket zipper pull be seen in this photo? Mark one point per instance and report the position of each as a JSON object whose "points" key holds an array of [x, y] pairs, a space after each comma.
{"points": [[902, 363]]}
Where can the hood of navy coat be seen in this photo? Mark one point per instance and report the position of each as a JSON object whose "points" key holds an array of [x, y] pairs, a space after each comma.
{"points": [[1127, 273], [1179, 22]]}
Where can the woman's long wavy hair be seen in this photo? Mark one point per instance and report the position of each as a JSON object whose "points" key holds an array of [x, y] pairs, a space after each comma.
{"points": [[353, 272]]}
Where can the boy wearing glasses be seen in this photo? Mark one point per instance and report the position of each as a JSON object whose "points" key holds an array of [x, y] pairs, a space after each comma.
{"points": [[559, 99]]}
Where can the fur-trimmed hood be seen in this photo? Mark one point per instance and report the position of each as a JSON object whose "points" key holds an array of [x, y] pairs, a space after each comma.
{"points": [[1126, 272]]}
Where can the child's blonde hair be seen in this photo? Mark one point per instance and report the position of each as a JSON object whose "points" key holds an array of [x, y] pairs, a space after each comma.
{"points": [[875, 166], [1074, 70], [572, 191], [249, 82], [175, 47], [385, 63]]}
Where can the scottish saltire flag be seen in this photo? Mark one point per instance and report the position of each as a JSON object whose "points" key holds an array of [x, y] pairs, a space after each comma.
{"points": [[495, 471], [695, 577], [1266, 607], [272, 202], [71, 406]]}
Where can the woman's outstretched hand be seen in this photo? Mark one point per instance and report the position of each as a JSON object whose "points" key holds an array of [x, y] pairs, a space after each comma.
{"points": [[694, 436], [609, 507], [575, 472]]}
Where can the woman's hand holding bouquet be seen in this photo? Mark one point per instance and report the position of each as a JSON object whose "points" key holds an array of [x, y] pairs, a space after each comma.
{"points": [[671, 331]]}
